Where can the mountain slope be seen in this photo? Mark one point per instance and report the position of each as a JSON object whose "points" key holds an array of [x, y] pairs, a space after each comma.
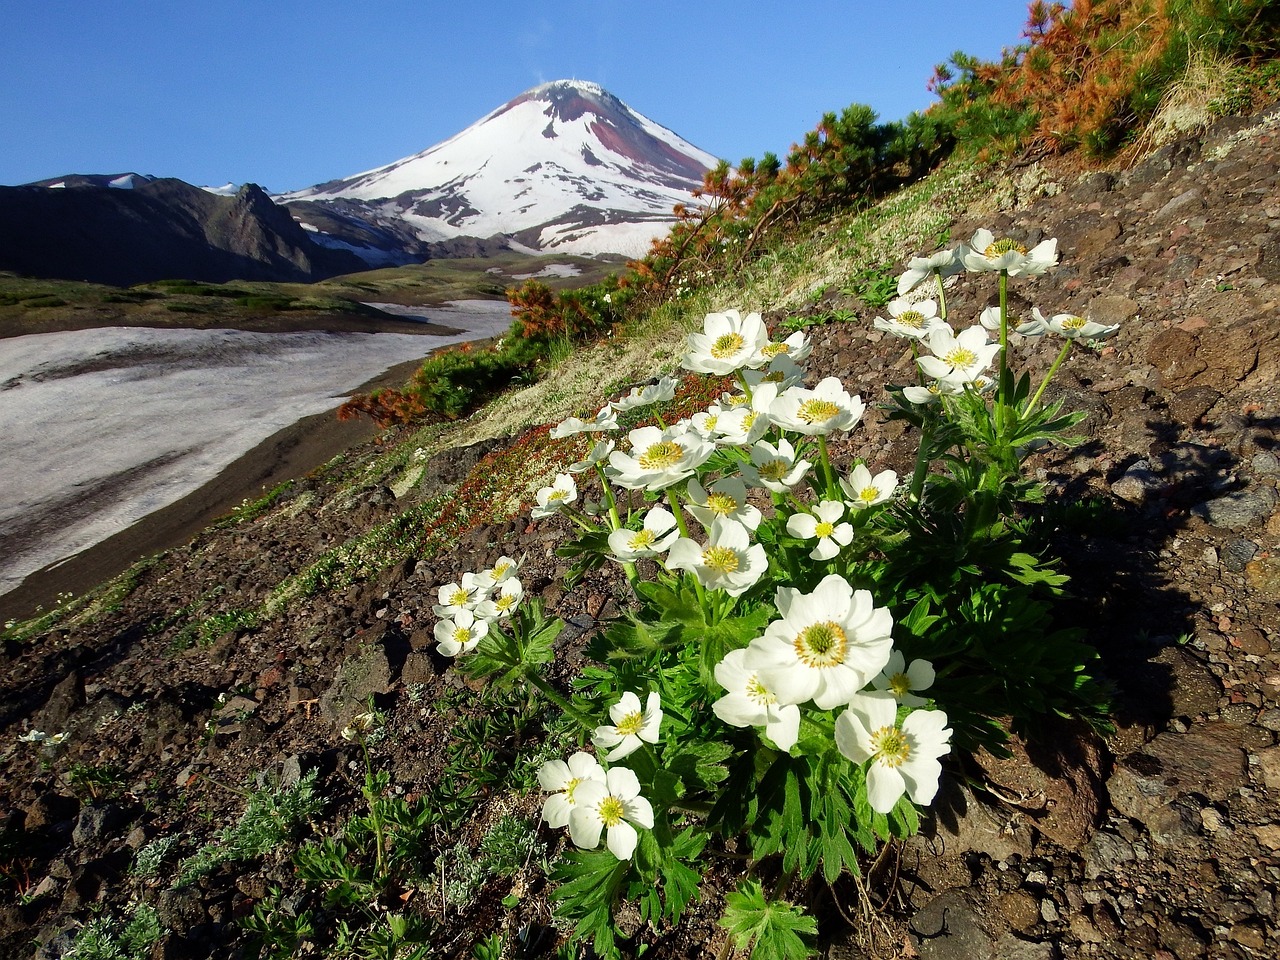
{"points": [[565, 166], [130, 229]]}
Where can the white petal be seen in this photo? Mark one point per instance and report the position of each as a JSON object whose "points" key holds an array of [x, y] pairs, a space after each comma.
{"points": [[585, 827], [884, 787], [556, 810], [621, 840]]}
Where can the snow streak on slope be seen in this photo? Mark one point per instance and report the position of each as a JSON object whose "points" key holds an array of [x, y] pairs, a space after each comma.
{"points": [[565, 166]]}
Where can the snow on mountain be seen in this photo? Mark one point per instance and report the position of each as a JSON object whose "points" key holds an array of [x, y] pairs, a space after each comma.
{"points": [[565, 166]]}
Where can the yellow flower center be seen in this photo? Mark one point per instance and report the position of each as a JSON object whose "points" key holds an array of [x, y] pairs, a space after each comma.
{"points": [[900, 685], [824, 529], [961, 357], [774, 376], [570, 786], [721, 503], [817, 411], [659, 456], [1074, 323], [749, 421], [995, 250], [500, 570], [458, 597], [641, 540], [868, 495], [711, 421], [737, 400], [723, 560], [631, 724], [506, 601], [610, 811], [461, 635], [726, 345], [890, 746], [772, 350], [757, 692], [557, 495], [774, 470], [821, 645], [911, 318]]}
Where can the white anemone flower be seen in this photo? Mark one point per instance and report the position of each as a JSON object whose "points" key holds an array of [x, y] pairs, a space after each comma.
{"points": [[1074, 328], [552, 499], [990, 319], [911, 321], [659, 458], [658, 392], [504, 568], [823, 525], [728, 342], [502, 602], [652, 539], [826, 646], [707, 422], [781, 371], [729, 561], [460, 633], [632, 726], [561, 779], [985, 253], [774, 467], [946, 263], [864, 490], [900, 679], [958, 357], [599, 453], [903, 759], [611, 808], [749, 703], [826, 408], [464, 594], [606, 418], [796, 347], [726, 498]]}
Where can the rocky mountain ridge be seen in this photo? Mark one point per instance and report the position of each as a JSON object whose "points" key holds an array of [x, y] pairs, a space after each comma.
{"points": [[1161, 840], [130, 229]]}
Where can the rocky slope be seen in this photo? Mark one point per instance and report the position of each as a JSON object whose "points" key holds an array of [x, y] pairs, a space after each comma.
{"points": [[1162, 840]]}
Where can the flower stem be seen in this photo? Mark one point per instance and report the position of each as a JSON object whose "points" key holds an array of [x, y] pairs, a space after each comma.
{"points": [[1062, 355], [922, 463], [828, 475], [552, 694], [684, 532], [1002, 398], [942, 294]]}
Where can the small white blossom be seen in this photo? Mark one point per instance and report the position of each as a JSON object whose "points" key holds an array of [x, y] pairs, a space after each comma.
{"points": [[774, 467], [728, 342], [864, 490], [912, 321], [599, 454], [750, 703], [632, 726], [460, 633], [552, 499], [663, 390], [823, 525], [729, 561], [826, 408], [900, 679], [611, 808], [946, 263], [1072, 327], [561, 779], [726, 498], [504, 568], [651, 540], [502, 602], [462, 595], [985, 253], [659, 458], [902, 759], [605, 419], [782, 371], [958, 357]]}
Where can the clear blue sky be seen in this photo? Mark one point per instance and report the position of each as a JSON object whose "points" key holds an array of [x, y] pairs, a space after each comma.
{"points": [[287, 93]]}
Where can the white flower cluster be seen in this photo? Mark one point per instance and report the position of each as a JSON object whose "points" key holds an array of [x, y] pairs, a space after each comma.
{"points": [[590, 800], [959, 361], [468, 606]]}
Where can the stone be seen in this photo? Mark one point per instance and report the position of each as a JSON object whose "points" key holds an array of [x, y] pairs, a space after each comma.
{"points": [[1263, 577], [1190, 406], [1111, 310], [1238, 509], [1010, 947], [1137, 483], [1104, 853], [67, 697], [1192, 689], [1020, 910], [1173, 354], [948, 928], [1268, 767], [365, 675], [1237, 553], [1268, 835], [1184, 205], [97, 821]]}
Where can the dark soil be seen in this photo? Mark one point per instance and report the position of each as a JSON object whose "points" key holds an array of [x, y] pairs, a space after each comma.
{"points": [[1159, 841]]}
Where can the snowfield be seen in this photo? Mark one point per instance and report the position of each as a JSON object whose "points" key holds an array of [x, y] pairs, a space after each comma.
{"points": [[104, 426]]}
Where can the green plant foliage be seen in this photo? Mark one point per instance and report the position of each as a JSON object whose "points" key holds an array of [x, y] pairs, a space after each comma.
{"points": [[773, 930]]}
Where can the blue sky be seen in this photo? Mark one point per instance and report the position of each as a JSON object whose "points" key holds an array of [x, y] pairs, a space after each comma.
{"points": [[287, 93]]}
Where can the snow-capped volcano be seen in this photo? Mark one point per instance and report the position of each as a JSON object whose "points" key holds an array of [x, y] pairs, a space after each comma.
{"points": [[565, 166]]}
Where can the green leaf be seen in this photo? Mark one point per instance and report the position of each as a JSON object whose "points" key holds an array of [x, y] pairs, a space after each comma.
{"points": [[773, 929], [589, 881]]}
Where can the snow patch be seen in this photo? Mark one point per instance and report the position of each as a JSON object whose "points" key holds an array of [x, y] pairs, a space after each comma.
{"points": [[122, 183]]}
